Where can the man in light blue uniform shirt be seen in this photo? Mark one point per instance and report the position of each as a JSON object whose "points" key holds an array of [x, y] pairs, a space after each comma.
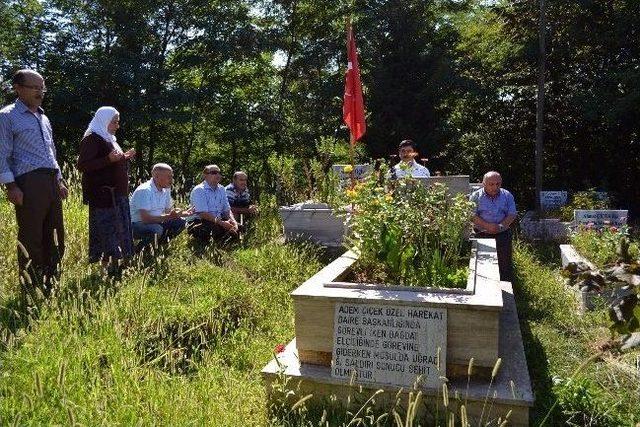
{"points": [[495, 212], [32, 179], [213, 216]]}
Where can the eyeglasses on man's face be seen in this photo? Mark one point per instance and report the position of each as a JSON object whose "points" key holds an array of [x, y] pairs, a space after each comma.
{"points": [[212, 173], [34, 87]]}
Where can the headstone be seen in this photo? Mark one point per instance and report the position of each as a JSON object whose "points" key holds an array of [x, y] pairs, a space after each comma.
{"points": [[602, 195], [600, 218], [474, 186], [389, 344], [456, 184], [550, 200], [359, 171]]}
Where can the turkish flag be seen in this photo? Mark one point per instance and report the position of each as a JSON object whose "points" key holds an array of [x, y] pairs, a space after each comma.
{"points": [[353, 108]]}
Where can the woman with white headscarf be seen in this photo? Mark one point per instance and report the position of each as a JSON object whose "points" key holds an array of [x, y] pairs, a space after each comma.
{"points": [[105, 188]]}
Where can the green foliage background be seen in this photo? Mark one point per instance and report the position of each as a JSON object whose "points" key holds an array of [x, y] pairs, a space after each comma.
{"points": [[234, 81]]}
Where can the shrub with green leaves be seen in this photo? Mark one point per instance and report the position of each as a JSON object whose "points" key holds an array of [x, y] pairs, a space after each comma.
{"points": [[586, 200], [604, 246], [410, 234], [311, 178]]}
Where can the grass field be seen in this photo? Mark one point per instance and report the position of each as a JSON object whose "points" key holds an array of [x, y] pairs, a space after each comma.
{"points": [[181, 339]]}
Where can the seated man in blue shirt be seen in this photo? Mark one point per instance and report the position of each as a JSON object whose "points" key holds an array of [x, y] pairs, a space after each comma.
{"points": [[495, 212], [239, 197], [213, 216], [153, 217]]}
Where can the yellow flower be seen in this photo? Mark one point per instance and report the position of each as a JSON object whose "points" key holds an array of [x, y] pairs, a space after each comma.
{"points": [[388, 197], [348, 169], [351, 193]]}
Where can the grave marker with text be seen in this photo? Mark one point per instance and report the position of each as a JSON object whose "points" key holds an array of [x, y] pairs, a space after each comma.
{"points": [[601, 218], [550, 200], [389, 344]]}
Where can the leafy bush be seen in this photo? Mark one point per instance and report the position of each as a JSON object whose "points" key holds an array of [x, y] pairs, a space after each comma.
{"points": [[604, 246], [300, 179], [587, 200], [410, 234]]}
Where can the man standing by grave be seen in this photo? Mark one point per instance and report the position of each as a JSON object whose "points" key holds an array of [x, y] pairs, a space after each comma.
{"points": [[494, 214], [408, 165], [31, 176]]}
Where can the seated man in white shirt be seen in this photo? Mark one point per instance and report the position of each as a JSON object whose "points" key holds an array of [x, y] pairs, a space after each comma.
{"points": [[408, 165], [153, 217]]}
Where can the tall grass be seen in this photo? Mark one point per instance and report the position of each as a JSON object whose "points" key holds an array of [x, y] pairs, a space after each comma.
{"points": [[179, 340], [578, 379]]}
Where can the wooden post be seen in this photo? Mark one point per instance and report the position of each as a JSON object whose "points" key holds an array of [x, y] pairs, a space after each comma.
{"points": [[539, 152]]}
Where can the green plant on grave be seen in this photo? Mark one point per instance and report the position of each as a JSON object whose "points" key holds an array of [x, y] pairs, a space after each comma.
{"points": [[587, 200], [604, 246], [300, 179], [408, 233]]}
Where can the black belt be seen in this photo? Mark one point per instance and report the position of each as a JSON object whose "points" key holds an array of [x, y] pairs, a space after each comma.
{"points": [[44, 171]]}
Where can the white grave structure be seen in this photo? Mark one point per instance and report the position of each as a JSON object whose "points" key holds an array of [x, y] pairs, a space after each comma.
{"points": [[600, 218], [550, 200]]}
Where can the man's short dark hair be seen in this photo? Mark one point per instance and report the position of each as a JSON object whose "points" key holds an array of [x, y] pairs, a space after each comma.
{"points": [[20, 77], [407, 143]]}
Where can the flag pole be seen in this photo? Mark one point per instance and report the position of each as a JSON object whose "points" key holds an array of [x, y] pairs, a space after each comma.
{"points": [[352, 143], [352, 140]]}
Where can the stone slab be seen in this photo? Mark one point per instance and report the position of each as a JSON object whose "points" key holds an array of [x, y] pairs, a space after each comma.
{"points": [[601, 217], [473, 318], [512, 385], [550, 200], [389, 344], [321, 225], [360, 172], [456, 184], [545, 229], [589, 300]]}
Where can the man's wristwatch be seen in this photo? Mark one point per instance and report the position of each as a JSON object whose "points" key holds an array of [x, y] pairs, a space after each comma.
{"points": [[501, 227]]}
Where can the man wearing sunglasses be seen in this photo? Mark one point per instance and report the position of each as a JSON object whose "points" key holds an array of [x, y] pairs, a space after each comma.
{"points": [[214, 218], [32, 179]]}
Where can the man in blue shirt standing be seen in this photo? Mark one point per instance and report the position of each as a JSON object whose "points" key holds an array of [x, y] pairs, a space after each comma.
{"points": [[31, 176], [495, 212], [213, 216]]}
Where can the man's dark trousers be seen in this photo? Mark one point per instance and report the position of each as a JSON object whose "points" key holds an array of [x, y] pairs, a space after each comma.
{"points": [[40, 224], [504, 248], [206, 230]]}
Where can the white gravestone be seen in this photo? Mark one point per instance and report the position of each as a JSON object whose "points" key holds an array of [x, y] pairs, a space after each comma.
{"points": [[550, 200], [600, 218], [389, 344], [602, 195], [360, 172]]}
